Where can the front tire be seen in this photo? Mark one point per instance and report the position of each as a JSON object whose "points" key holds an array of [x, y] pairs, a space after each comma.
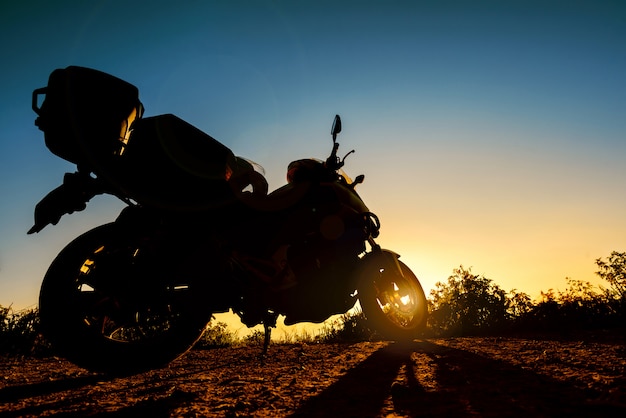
{"points": [[392, 301], [108, 304]]}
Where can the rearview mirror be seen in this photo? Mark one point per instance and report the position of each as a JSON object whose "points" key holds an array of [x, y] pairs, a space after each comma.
{"points": [[336, 127]]}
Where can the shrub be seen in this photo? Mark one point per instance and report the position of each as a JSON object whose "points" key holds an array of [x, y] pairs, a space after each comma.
{"points": [[256, 337], [217, 335], [579, 307], [19, 332], [468, 304], [349, 327], [614, 272]]}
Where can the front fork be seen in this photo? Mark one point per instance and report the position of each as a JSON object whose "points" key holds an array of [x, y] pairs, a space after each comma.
{"points": [[386, 259]]}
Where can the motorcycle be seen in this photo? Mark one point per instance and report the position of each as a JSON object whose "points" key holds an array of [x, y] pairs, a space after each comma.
{"points": [[199, 235]]}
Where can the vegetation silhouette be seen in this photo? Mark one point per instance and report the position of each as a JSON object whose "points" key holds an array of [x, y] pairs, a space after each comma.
{"points": [[466, 304], [19, 332]]}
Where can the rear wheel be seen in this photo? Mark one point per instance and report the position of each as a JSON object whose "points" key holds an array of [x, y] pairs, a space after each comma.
{"points": [[109, 304], [393, 301]]}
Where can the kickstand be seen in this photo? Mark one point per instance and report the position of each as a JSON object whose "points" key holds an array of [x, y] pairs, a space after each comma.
{"points": [[268, 336], [268, 324]]}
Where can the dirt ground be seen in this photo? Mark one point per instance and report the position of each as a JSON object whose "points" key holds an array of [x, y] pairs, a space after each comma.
{"points": [[490, 377]]}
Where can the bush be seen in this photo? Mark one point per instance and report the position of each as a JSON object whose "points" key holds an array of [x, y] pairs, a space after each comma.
{"points": [[19, 332], [468, 304], [579, 307], [614, 272], [217, 336], [349, 327]]}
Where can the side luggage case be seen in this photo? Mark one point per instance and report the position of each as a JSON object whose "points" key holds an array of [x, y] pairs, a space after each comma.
{"points": [[86, 115]]}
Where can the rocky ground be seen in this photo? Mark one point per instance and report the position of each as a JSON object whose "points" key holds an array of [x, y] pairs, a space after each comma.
{"points": [[492, 377]]}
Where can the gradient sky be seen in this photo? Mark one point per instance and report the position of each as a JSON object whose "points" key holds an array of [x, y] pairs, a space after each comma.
{"points": [[492, 134]]}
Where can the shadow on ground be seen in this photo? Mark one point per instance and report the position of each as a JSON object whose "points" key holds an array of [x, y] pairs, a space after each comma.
{"points": [[463, 384], [422, 378]]}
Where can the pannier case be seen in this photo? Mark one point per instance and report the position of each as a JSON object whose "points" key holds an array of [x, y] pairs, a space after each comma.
{"points": [[86, 114], [94, 120]]}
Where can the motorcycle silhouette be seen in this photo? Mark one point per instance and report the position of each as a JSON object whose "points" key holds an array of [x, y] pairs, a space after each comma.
{"points": [[199, 235]]}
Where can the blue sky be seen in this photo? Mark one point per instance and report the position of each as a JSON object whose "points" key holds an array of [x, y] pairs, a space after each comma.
{"points": [[491, 134]]}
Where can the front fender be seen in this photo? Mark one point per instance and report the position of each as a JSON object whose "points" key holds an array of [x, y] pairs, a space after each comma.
{"points": [[391, 296], [386, 259]]}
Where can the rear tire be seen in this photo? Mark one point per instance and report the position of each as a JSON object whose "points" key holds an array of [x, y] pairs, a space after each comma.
{"points": [[108, 304], [394, 305]]}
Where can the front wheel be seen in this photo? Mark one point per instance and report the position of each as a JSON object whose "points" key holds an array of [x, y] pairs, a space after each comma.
{"points": [[108, 303], [392, 298]]}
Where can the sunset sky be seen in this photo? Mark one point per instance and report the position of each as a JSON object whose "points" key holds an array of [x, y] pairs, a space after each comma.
{"points": [[491, 134]]}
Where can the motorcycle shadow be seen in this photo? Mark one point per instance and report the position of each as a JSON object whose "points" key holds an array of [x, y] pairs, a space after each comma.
{"points": [[53, 397], [426, 379], [17, 393]]}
